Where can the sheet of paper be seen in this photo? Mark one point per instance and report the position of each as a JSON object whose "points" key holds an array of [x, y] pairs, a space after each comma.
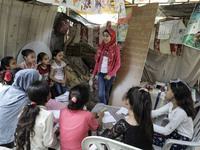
{"points": [[63, 98], [108, 117], [56, 127], [56, 113], [122, 111]]}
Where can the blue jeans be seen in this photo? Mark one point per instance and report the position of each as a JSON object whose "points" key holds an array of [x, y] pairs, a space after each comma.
{"points": [[104, 87], [59, 88]]}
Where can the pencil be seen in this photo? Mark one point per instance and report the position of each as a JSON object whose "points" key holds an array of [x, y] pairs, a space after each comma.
{"points": [[103, 109]]}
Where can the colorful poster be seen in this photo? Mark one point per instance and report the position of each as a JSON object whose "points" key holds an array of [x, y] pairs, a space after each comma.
{"points": [[119, 6], [123, 25], [192, 33], [106, 4], [98, 7], [88, 5], [74, 4]]}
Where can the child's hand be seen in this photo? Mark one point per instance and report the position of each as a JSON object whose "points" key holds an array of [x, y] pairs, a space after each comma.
{"points": [[101, 114], [95, 114], [51, 84], [107, 77]]}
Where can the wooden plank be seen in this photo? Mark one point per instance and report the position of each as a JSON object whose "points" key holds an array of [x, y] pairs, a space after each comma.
{"points": [[24, 26], [32, 26], [5, 6], [49, 25], [14, 24], [40, 25]]}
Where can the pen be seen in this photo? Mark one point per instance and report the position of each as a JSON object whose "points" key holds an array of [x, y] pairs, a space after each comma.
{"points": [[103, 109]]}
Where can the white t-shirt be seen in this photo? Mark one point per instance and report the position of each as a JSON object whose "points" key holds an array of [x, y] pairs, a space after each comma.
{"points": [[178, 120], [58, 70], [104, 65]]}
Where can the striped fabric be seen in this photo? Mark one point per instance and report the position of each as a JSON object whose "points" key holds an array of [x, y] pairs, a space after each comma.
{"points": [[92, 35]]}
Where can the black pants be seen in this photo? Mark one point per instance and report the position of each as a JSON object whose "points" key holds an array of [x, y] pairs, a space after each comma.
{"points": [[8, 145]]}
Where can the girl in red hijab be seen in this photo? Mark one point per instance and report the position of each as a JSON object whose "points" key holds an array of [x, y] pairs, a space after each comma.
{"points": [[107, 64]]}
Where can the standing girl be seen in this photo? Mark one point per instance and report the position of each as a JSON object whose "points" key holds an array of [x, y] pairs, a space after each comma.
{"points": [[8, 63], [58, 72], [107, 64], [180, 111], [35, 124], [29, 59], [137, 130], [74, 122]]}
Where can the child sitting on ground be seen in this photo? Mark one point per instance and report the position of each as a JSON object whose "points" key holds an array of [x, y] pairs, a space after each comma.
{"points": [[74, 122], [137, 130], [8, 63], [35, 124], [180, 111], [29, 59], [58, 72]]}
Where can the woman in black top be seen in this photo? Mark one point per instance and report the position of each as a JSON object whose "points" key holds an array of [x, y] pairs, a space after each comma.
{"points": [[137, 130]]}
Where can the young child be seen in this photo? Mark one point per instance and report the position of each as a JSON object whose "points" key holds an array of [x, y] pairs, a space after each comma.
{"points": [[74, 122], [44, 67], [180, 111], [137, 130], [108, 62], [35, 124], [29, 59], [8, 78], [8, 63], [58, 72]]}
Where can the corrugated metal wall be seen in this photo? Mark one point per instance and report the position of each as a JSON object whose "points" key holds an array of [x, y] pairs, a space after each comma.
{"points": [[21, 23]]}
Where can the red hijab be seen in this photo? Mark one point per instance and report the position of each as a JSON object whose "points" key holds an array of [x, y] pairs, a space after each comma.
{"points": [[108, 49]]}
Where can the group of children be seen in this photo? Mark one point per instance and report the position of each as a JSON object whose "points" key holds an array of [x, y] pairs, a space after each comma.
{"points": [[54, 74], [35, 124]]}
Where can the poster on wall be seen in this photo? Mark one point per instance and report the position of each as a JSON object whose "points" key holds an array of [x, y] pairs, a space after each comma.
{"points": [[119, 6], [98, 7], [192, 33], [74, 4], [123, 24], [88, 5], [106, 4]]}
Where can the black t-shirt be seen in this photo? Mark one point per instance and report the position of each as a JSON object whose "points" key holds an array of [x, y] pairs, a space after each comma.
{"points": [[132, 135]]}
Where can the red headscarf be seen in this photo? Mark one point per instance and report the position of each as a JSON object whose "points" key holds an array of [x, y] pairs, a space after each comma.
{"points": [[108, 49]]}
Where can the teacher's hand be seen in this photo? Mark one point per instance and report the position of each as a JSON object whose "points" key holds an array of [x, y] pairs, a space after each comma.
{"points": [[107, 77]]}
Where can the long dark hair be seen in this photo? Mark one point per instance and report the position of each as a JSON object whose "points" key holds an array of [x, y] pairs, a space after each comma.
{"points": [[38, 93], [183, 97], [79, 92], [5, 62], [26, 52], [140, 102]]}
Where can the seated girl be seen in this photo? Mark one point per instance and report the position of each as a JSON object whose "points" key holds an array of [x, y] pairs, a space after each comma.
{"points": [[29, 59], [74, 122], [8, 63], [180, 111], [137, 130], [35, 124]]}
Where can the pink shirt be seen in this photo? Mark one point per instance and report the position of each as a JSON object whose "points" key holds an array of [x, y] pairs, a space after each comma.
{"points": [[24, 66], [74, 126]]}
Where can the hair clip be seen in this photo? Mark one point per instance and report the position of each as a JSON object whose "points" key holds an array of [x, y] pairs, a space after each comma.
{"points": [[34, 103], [8, 76], [74, 99], [144, 89]]}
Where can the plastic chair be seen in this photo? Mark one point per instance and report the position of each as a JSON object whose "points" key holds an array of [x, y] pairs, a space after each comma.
{"points": [[102, 143], [196, 136]]}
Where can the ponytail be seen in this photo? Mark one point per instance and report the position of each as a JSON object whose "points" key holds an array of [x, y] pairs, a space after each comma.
{"points": [[140, 102], [25, 126]]}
